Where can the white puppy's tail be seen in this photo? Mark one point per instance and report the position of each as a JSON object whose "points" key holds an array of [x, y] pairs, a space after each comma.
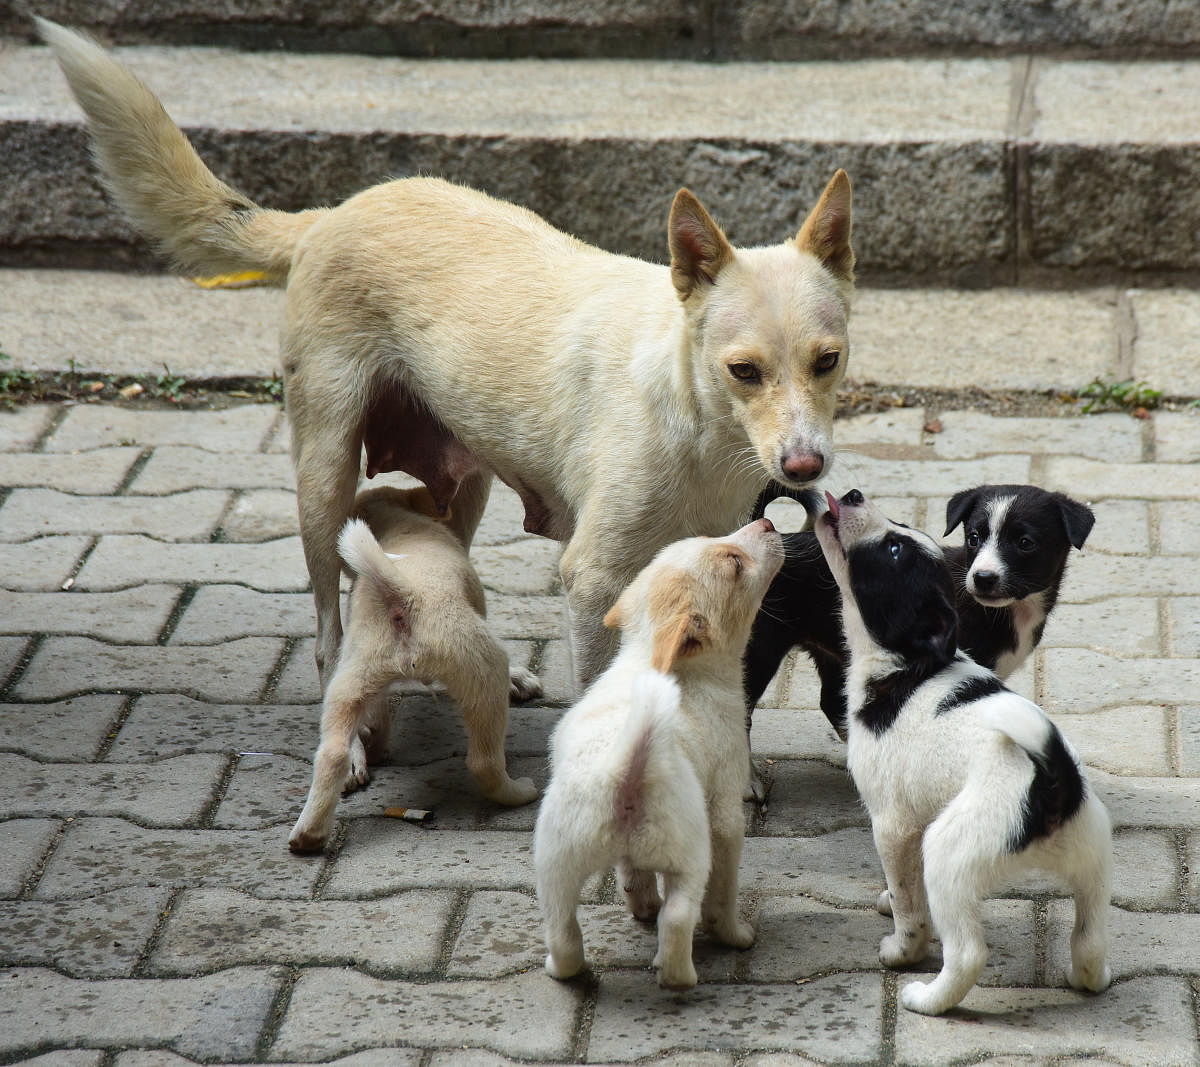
{"points": [[367, 559], [158, 180], [1020, 720], [654, 704]]}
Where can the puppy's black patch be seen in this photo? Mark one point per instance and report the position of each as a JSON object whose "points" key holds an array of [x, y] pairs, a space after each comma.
{"points": [[968, 691], [886, 696], [1055, 794]]}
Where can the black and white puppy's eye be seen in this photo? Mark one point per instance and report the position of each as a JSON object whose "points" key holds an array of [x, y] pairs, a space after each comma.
{"points": [[745, 371], [826, 361], [1026, 543], [973, 539], [895, 548]]}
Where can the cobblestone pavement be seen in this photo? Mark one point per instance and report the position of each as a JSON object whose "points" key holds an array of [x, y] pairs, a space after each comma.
{"points": [[159, 710]]}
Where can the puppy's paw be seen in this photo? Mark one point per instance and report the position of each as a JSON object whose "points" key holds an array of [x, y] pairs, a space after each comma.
{"points": [[304, 842], [678, 978], [523, 685], [358, 775], [1094, 979], [565, 966], [756, 789], [924, 999], [897, 950], [883, 904], [515, 792], [740, 936]]}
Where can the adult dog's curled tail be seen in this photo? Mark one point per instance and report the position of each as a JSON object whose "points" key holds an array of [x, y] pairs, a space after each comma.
{"points": [[156, 177], [654, 702]]}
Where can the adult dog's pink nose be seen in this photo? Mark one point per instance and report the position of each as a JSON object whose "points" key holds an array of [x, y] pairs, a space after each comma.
{"points": [[803, 466]]}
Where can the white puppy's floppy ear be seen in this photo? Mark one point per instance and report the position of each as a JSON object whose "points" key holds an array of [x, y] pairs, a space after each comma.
{"points": [[699, 250], [684, 634]]}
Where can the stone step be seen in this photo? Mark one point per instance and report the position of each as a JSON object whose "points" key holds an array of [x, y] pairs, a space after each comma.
{"points": [[971, 172], [1000, 340], [681, 29]]}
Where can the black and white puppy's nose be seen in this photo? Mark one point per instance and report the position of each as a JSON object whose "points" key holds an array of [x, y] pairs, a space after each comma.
{"points": [[852, 498], [985, 581]]}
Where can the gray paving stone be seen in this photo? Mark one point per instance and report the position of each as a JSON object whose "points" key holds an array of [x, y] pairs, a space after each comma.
{"points": [[962, 339], [134, 616], [800, 939], [504, 518], [97, 855], [298, 681], [211, 929], [67, 730], [219, 612], [12, 650], [190, 516], [521, 568], [97, 472], [1192, 882], [22, 427], [381, 1057], [233, 671], [162, 725], [1121, 625], [1145, 870], [262, 515], [821, 1018], [808, 797], [1179, 527], [204, 1018], [66, 1058], [174, 468], [1095, 577], [1122, 526], [236, 430], [1120, 741], [1141, 1021], [173, 792], [331, 1011], [968, 434], [1189, 740], [1167, 326], [385, 856], [887, 477], [483, 1058], [1149, 802], [1153, 481], [1177, 436], [793, 733], [838, 868], [538, 617], [23, 843], [100, 937], [558, 674], [502, 933], [1184, 616], [1078, 679], [1139, 943], [43, 564]]}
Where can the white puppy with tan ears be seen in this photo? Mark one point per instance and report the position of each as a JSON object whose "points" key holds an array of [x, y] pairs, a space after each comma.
{"points": [[416, 611], [967, 783], [647, 769]]}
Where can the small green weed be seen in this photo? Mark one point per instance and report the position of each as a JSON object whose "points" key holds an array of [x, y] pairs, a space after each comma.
{"points": [[1128, 395], [171, 385]]}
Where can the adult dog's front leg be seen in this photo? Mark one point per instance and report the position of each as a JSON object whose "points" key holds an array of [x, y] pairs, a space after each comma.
{"points": [[592, 587]]}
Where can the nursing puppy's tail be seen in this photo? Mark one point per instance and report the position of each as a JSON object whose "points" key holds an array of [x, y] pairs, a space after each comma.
{"points": [[1058, 788], [367, 559], [654, 703], [156, 177]]}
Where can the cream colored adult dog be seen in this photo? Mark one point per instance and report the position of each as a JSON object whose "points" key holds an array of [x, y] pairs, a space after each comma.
{"points": [[416, 611], [458, 337], [648, 768]]}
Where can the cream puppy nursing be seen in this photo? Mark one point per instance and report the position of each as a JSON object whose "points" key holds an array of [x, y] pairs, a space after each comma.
{"points": [[647, 770], [457, 338]]}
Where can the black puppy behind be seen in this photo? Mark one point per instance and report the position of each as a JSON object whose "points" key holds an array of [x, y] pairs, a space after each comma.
{"points": [[1006, 575]]}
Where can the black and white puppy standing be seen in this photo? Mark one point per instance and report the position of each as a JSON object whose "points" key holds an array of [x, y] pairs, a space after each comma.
{"points": [[966, 782]]}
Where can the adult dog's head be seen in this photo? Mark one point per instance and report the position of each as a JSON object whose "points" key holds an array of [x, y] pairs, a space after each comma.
{"points": [[770, 327]]}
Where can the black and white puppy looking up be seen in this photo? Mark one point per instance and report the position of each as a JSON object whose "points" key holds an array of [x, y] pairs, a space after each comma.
{"points": [[966, 783], [1007, 576]]}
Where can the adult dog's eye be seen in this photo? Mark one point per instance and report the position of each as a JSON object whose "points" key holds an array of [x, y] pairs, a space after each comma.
{"points": [[744, 371], [826, 361]]}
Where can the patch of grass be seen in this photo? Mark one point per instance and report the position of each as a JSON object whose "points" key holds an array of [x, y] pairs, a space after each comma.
{"points": [[170, 385], [1128, 395], [14, 381]]}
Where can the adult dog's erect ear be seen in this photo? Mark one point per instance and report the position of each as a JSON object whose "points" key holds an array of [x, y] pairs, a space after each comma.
{"points": [[699, 250], [826, 231]]}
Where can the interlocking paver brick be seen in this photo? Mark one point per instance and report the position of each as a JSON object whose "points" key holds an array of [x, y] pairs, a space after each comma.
{"points": [[539, 617], [1177, 437], [1148, 802], [68, 1058], [41, 564], [929, 477], [522, 568], [795, 733], [1122, 526], [1138, 943], [1141, 1021], [332, 1011], [96, 855], [1184, 615], [23, 842], [1118, 626], [1179, 527], [135, 616], [1189, 740], [12, 650], [839, 867], [1168, 324], [298, 682], [235, 670], [219, 612], [1077, 679], [98, 472], [98, 937], [810, 797], [634, 1018], [1121, 741], [1097, 577], [1143, 481], [1145, 869], [161, 725], [205, 1018], [174, 468], [66, 730], [21, 428], [381, 1057], [190, 516], [800, 938], [234, 430], [173, 792], [1191, 886], [262, 515], [967, 434], [211, 929]]}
